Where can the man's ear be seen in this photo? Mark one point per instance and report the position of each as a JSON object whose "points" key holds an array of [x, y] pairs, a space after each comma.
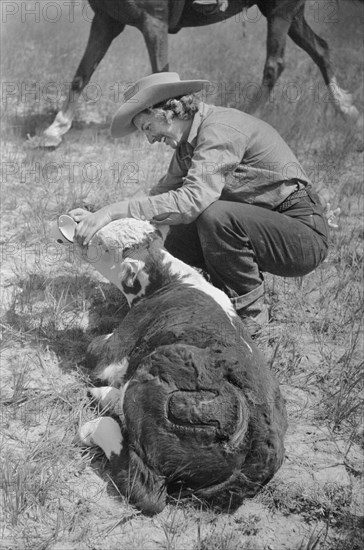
{"points": [[129, 271]]}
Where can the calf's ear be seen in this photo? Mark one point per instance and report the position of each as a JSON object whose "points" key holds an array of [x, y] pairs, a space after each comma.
{"points": [[129, 271]]}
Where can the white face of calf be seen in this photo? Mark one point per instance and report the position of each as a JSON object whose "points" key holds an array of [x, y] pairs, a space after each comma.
{"points": [[117, 251]]}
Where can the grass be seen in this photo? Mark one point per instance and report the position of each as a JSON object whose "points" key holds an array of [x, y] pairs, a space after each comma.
{"points": [[58, 496]]}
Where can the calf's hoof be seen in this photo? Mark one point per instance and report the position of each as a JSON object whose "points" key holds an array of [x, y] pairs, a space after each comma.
{"points": [[104, 432]]}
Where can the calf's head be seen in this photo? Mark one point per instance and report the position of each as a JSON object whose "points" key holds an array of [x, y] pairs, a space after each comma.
{"points": [[120, 251]]}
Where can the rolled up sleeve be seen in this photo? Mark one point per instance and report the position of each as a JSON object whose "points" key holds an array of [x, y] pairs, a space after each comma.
{"points": [[219, 150]]}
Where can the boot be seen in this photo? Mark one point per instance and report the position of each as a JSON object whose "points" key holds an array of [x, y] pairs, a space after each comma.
{"points": [[255, 319], [252, 310]]}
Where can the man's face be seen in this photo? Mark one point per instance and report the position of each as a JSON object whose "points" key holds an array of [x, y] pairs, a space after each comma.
{"points": [[158, 129]]}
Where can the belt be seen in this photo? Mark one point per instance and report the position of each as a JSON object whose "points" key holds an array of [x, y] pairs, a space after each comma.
{"points": [[292, 197]]}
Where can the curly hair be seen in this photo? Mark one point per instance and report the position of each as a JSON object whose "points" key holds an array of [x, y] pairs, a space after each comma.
{"points": [[183, 107]]}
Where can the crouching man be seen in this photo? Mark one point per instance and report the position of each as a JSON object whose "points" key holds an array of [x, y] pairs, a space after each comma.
{"points": [[238, 200]]}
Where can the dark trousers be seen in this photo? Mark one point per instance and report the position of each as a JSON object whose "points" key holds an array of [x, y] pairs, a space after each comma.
{"points": [[236, 242]]}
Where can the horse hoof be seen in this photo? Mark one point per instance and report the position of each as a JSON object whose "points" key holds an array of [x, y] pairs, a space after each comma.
{"points": [[43, 141], [353, 115]]}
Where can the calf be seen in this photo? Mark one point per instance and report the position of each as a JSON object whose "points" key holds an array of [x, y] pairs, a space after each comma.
{"points": [[194, 408]]}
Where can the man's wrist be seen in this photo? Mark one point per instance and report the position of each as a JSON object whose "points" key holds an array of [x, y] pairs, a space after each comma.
{"points": [[118, 210]]}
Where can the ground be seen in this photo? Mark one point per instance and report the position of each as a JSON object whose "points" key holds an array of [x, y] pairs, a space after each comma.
{"points": [[57, 495]]}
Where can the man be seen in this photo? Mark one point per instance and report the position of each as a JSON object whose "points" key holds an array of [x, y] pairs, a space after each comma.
{"points": [[238, 201]]}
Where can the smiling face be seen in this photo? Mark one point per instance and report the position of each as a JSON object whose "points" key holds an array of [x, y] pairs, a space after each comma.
{"points": [[158, 129]]}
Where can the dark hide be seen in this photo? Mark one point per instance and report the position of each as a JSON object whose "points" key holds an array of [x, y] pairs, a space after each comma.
{"points": [[202, 412]]}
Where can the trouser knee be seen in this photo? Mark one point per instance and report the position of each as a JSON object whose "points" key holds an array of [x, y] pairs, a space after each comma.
{"points": [[216, 229]]}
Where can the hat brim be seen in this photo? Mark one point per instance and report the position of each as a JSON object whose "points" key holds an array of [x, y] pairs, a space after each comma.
{"points": [[122, 124]]}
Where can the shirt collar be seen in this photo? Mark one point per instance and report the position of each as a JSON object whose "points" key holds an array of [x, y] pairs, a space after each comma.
{"points": [[203, 109]]}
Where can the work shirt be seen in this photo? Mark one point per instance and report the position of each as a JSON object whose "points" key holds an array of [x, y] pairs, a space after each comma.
{"points": [[228, 155]]}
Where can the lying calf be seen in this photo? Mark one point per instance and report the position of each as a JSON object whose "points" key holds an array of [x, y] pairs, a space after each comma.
{"points": [[197, 410]]}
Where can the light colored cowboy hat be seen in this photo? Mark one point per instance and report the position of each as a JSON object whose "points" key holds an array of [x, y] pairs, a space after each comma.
{"points": [[149, 91]]}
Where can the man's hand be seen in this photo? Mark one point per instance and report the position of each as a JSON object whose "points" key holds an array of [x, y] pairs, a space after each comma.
{"points": [[89, 223], [79, 214]]}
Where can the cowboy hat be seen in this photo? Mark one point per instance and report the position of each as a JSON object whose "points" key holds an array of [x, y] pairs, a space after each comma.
{"points": [[149, 91]]}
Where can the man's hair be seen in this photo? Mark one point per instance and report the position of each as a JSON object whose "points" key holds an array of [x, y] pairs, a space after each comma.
{"points": [[183, 107]]}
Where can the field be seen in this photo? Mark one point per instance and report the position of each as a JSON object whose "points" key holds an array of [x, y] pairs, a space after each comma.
{"points": [[57, 495]]}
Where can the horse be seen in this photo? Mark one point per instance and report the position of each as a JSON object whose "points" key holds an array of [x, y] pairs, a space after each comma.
{"points": [[156, 18]]}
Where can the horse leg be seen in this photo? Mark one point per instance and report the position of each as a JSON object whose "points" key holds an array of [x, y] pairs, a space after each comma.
{"points": [[278, 26], [317, 48], [103, 31], [155, 32]]}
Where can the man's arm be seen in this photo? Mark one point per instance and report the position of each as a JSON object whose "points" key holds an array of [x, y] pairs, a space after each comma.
{"points": [[173, 178], [91, 223], [219, 150]]}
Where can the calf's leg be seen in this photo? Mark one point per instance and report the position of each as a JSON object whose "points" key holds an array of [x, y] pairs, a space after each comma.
{"points": [[108, 398], [141, 485], [137, 481]]}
